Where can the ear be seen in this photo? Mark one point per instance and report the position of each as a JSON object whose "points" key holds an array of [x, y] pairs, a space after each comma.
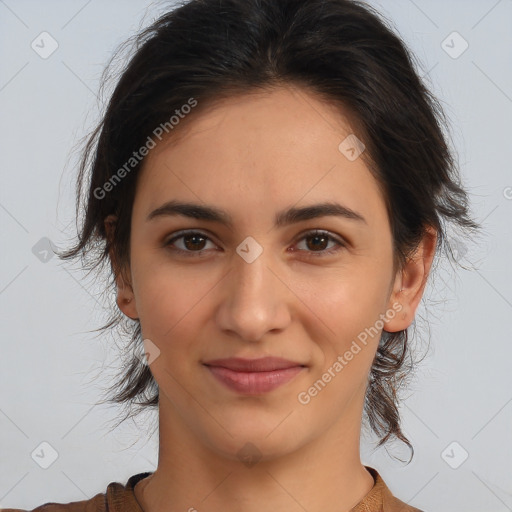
{"points": [[409, 283], [125, 296]]}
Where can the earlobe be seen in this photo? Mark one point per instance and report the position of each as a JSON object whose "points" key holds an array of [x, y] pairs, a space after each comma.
{"points": [[125, 300], [410, 283], [398, 312], [125, 297]]}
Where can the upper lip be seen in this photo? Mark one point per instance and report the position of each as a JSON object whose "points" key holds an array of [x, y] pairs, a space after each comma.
{"points": [[263, 364]]}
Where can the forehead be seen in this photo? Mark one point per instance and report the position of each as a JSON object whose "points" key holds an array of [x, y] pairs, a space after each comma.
{"points": [[277, 146], [263, 110]]}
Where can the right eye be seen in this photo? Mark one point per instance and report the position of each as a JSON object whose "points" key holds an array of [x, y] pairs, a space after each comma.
{"points": [[192, 243]]}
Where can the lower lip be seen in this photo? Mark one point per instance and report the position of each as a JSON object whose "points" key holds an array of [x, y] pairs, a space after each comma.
{"points": [[254, 383]]}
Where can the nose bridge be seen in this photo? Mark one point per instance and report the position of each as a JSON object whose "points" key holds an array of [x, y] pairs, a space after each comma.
{"points": [[254, 277], [254, 302]]}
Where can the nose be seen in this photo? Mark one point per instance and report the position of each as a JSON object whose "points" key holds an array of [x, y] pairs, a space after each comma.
{"points": [[255, 300]]}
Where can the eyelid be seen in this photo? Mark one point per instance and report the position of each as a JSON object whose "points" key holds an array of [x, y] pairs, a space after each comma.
{"points": [[340, 242]]}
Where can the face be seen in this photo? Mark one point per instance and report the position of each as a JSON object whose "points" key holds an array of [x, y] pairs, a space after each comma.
{"points": [[260, 268]]}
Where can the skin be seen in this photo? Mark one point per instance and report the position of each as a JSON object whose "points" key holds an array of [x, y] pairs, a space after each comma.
{"points": [[253, 156]]}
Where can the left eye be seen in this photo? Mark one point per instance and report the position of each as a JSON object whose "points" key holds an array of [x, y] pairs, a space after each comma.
{"points": [[320, 239], [194, 241]]}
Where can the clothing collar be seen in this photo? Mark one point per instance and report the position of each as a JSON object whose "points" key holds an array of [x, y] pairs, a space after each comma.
{"points": [[379, 499]]}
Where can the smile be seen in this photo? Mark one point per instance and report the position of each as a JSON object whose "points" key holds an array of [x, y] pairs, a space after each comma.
{"points": [[254, 376]]}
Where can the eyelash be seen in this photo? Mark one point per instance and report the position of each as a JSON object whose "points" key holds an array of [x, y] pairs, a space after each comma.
{"points": [[315, 254]]}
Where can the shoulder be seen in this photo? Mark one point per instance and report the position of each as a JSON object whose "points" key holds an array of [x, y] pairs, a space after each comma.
{"points": [[116, 498], [393, 504], [381, 498], [96, 504]]}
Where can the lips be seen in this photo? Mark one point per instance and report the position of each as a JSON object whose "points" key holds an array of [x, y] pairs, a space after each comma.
{"points": [[264, 364], [254, 376]]}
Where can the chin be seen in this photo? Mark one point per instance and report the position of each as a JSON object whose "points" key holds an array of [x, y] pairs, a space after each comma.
{"points": [[250, 451], [256, 439]]}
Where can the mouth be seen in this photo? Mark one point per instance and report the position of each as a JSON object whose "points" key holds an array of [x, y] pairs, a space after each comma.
{"points": [[254, 376]]}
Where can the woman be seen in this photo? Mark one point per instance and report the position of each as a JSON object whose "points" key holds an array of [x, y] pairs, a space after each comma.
{"points": [[271, 185]]}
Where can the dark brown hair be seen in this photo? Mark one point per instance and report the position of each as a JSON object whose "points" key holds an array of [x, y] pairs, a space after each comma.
{"points": [[342, 50]]}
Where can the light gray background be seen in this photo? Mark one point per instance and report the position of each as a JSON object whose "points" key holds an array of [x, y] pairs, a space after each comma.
{"points": [[52, 370]]}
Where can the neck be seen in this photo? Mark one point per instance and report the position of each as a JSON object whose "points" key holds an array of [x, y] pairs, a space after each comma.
{"points": [[326, 474]]}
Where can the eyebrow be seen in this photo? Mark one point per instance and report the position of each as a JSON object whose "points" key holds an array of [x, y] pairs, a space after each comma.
{"points": [[282, 218]]}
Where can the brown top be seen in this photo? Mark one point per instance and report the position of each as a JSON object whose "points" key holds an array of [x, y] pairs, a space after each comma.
{"points": [[121, 498]]}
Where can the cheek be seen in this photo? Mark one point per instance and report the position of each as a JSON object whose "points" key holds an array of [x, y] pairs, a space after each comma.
{"points": [[171, 309], [348, 300], [168, 298], [349, 305], [346, 339]]}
